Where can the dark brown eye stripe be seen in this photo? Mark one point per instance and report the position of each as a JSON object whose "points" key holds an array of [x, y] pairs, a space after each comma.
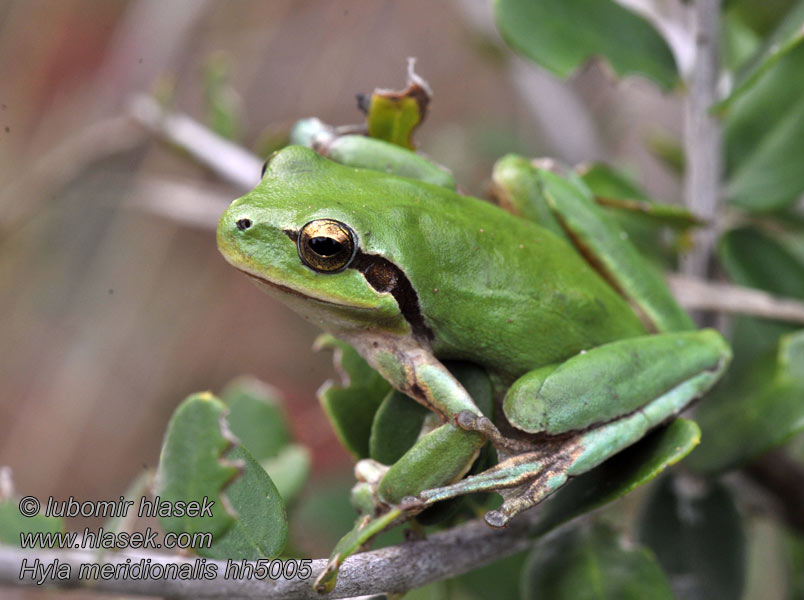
{"points": [[380, 273], [384, 276]]}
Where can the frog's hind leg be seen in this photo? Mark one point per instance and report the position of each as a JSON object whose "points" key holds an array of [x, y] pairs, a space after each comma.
{"points": [[591, 407], [526, 479]]}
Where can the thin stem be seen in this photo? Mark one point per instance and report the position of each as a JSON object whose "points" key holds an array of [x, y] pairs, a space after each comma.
{"points": [[702, 136], [699, 294]]}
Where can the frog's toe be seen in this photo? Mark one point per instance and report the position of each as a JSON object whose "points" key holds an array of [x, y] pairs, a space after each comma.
{"points": [[496, 518], [526, 497], [412, 504]]}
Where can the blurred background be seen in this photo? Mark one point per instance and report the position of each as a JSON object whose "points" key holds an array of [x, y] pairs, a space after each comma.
{"points": [[114, 306]]}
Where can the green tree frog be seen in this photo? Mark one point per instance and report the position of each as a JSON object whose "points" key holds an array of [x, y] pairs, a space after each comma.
{"points": [[586, 349]]}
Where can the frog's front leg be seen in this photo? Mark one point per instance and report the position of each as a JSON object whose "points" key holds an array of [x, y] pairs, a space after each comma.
{"points": [[591, 407], [445, 454]]}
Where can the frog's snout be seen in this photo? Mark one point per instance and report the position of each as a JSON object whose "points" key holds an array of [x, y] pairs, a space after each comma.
{"points": [[234, 221]]}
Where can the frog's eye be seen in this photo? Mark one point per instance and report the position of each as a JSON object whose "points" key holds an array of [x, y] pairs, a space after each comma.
{"points": [[326, 245]]}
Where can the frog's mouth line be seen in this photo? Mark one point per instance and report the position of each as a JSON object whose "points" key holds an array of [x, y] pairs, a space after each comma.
{"points": [[292, 292]]}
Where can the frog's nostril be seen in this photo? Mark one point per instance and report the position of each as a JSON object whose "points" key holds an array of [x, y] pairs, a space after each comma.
{"points": [[243, 224]]}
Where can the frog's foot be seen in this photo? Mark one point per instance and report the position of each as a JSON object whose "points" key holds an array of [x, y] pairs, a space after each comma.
{"points": [[525, 480], [470, 421]]}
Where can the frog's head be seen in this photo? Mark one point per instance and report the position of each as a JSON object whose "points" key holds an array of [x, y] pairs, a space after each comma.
{"points": [[298, 234]]}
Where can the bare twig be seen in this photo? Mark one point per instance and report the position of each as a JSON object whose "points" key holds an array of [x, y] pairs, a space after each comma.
{"points": [[699, 294], [229, 161], [702, 137], [394, 569]]}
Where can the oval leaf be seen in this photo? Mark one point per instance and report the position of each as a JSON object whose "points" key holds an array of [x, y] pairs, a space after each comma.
{"points": [[192, 467], [260, 529], [255, 417], [289, 470], [562, 35], [762, 407], [351, 404], [763, 139], [397, 425], [788, 34]]}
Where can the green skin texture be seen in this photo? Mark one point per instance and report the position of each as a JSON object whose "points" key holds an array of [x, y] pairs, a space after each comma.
{"points": [[493, 289]]}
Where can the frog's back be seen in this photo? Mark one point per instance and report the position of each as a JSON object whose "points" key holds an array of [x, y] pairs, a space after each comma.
{"points": [[492, 287]]}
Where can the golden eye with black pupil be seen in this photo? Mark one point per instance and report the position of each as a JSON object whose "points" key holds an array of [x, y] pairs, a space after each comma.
{"points": [[326, 245]]}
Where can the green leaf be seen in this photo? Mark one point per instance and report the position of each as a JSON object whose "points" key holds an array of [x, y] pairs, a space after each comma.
{"points": [[595, 564], [667, 148], [608, 182], [364, 530], [12, 523], [260, 529], [653, 228], [351, 404], [289, 470], [760, 408], [784, 39], [739, 43], [596, 233], [614, 189], [755, 259], [394, 115], [192, 467], [562, 35], [763, 138], [762, 16], [397, 425], [622, 473], [255, 417], [697, 535]]}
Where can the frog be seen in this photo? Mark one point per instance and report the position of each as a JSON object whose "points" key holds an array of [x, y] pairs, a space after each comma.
{"points": [[586, 349]]}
